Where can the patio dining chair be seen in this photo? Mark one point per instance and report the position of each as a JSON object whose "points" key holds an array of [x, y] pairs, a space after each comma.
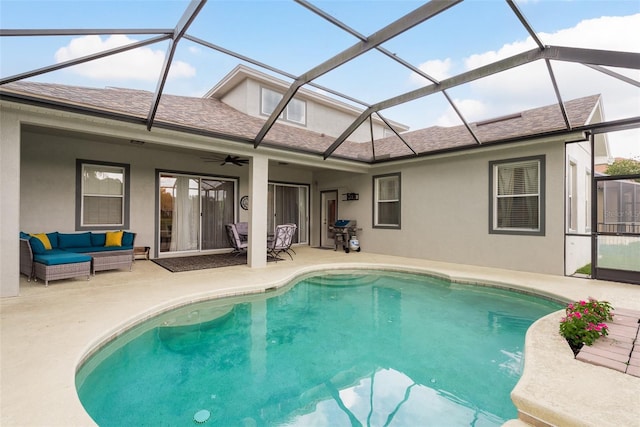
{"points": [[293, 234], [281, 242], [243, 230], [239, 247]]}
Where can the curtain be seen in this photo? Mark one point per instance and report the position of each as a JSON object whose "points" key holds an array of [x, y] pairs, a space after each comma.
{"points": [[287, 209], [184, 224], [505, 204], [217, 210], [388, 203], [518, 198], [287, 204]]}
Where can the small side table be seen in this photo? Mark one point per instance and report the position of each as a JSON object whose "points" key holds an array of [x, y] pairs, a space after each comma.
{"points": [[141, 251]]}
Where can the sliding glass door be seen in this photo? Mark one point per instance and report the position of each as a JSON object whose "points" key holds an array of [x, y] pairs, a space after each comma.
{"points": [[289, 204], [193, 212], [217, 210]]}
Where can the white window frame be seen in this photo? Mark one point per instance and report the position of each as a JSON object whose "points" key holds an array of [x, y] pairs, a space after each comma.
{"points": [[572, 190], [494, 168], [289, 113], [377, 201], [81, 194], [587, 200]]}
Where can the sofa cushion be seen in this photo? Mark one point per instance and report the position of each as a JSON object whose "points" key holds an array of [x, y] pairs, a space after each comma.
{"points": [[89, 249], [53, 239], [98, 239], [127, 238], [114, 238], [58, 256], [37, 247], [44, 239], [24, 235], [74, 240]]}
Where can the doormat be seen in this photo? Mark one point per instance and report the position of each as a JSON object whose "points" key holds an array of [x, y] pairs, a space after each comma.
{"points": [[202, 262]]}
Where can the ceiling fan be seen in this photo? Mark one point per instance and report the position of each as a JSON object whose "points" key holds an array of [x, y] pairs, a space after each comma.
{"points": [[234, 160]]}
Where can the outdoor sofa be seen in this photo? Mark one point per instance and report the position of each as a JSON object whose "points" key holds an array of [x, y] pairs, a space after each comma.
{"points": [[53, 256]]}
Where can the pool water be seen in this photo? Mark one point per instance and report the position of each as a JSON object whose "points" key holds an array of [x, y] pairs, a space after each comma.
{"points": [[349, 349]]}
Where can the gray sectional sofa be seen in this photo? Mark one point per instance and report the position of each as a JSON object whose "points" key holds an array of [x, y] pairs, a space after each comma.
{"points": [[53, 256]]}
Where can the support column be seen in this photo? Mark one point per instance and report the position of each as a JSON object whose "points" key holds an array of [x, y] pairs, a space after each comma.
{"points": [[258, 189], [10, 204]]}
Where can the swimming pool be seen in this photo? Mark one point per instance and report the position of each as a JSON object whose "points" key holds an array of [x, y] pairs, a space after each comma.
{"points": [[348, 348]]}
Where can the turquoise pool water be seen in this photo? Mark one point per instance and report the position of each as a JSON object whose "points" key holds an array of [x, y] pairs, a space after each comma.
{"points": [[349, 349]]}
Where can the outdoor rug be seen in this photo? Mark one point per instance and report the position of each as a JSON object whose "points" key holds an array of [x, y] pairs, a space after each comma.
{"points": [[201, 262]]}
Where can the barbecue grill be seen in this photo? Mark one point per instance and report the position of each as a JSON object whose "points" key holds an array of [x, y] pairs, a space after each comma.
{"points": [[345, 235]]}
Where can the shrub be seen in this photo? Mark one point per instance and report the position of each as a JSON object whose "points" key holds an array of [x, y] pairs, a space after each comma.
{"points": [[584, 322]]}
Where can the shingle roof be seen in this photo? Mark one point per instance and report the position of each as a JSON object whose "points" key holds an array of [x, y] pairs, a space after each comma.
{"points": [[210, 115], [530, 122]]}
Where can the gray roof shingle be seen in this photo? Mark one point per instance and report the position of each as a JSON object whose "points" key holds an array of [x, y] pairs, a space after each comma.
{"points": [[213, 116]]}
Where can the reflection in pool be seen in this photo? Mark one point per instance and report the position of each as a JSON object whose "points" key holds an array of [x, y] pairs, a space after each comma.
{"points": [[348, 349]]}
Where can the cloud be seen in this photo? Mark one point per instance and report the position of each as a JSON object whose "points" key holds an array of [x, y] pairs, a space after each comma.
{"points": [[471, 107], [438, 69], [143, 64], [530, 86]]}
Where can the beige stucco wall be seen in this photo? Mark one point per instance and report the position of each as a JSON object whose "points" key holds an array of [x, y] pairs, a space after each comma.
{"points": [[48, 189], [445, 212], [240, 99], [9, 207], [445, 199]]}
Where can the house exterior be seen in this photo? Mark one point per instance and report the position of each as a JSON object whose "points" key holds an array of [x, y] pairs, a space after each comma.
{"points": [[256, 94], [499, 203]]}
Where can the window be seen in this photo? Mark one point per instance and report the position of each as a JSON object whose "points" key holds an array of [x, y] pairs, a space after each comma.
{"points": [[587, 200], [573, 196], [386, 201], [102, 195], [295, 111], [517, 193]]}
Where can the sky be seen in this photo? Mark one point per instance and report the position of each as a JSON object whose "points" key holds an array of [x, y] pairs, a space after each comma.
{"points": [[288, 37]]}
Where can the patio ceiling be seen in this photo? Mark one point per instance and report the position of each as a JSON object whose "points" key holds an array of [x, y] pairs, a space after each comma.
{"points": [[384, 49]]}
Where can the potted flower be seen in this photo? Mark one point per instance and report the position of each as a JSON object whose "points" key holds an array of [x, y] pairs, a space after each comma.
{"points": [[584, 322]]}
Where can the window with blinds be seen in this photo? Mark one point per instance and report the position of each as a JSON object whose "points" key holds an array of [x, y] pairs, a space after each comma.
{"points": [[518, 199], [386, 205], [295, 111], [102, 196]]}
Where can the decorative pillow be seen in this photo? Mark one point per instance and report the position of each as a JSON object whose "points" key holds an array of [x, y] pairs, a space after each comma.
{"points": [[37, 247], [114, 238], [44, 239], [53, 239], [127, 238], [98, 239]]}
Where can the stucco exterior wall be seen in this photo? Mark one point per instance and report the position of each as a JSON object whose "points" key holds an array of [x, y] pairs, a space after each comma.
{"points": [[48, 190], [242, 98], [321, 118], [48, 174], [445, 212], [9, 208]]}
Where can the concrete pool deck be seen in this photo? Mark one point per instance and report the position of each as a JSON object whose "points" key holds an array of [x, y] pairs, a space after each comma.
{"points": [[47, 332]]}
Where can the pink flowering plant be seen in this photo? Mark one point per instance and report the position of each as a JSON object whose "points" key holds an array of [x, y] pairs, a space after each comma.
{"points": [[584, 322]]}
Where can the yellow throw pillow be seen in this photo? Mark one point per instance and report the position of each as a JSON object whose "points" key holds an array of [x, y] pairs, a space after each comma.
{"points": [[44, 239], [114, 238]]}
